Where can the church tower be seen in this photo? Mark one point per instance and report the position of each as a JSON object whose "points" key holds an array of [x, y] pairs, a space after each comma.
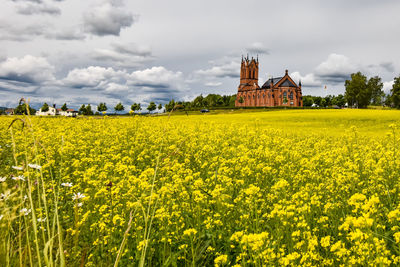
{"points": [[248, 74]]}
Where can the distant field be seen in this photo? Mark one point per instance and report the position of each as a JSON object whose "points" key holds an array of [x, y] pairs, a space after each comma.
{"points": [[280, 187]]}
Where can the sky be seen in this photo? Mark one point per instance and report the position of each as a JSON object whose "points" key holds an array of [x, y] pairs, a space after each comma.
{"points": [[86, 52]]}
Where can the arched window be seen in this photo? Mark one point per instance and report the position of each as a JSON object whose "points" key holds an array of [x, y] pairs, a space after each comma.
{"points": [[284, 94], [291, 96]]}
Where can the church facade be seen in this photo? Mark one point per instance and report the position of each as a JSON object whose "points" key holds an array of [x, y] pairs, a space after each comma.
{"points": [[280, 91]]}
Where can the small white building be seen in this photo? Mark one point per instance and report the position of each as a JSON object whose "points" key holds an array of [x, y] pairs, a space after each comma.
{"points": [[51, 112], [68, 113]]}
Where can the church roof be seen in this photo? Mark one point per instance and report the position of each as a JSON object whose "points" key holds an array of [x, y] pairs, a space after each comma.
{"points": [[267, 84], [286, 83]]}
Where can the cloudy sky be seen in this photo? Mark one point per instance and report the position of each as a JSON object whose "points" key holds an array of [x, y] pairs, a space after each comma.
{"points": [[109, 51]]}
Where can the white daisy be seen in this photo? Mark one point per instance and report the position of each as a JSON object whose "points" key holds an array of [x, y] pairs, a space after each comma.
{"points": [[35, 166], [25, 211], [77, 196], [67, 184], [19, 178], [41, 220], [3, 179], [18, 168], [1, 217]]}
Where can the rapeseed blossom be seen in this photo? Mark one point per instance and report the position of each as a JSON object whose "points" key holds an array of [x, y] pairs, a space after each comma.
{"points": [[294, 188]]}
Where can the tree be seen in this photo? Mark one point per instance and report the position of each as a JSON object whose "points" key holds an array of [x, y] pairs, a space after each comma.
{"points": [[241, 100], [21, 109], [395, 97], [119, 107], [159, 106], [170, 106], [387, 100], [102, 107], [64, 107], [89, 110], [307, 101], [338, 100], [152, 106], [357, 93], [134, 107], [45, 107], [375, 86], [82, 110]]}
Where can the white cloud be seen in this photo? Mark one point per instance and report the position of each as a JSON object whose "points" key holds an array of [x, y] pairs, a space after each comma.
{"points": [[157, 77], [213, 84], [231, 70], [107, 19], [336, 69], [93, 76], [308, 80], [387, 86], [35, 7], [28, 69]]}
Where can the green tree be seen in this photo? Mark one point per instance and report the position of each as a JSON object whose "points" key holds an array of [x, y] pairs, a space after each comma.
{"points": [[119, 107], [387, 100], [159, 106], [375, 86], [395, 97], [170, 106], [134, 107], [357, 93], [241, 100], [45, 107], [338, 100], [89, 110], [308, 101], [102, 107], [152, 106], [82, 110], [64, 107], [198, 101], [22, 109]]}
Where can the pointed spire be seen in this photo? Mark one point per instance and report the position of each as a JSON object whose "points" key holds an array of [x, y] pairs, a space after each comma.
{"points": [[257, 57], [300, 83], [286, 72]]}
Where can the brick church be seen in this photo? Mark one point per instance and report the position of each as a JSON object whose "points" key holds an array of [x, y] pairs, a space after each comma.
{"points": [[280, 91]]}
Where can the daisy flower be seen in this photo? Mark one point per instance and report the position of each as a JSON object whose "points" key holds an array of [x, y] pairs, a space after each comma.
{"points": [[77, 196], [35, 166]]}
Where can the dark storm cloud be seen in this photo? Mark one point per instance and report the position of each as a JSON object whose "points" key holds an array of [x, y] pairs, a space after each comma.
{"points": [[257, 48], [107, 19], [388, 66], [131, 49], [150, 85], [124, 55]]}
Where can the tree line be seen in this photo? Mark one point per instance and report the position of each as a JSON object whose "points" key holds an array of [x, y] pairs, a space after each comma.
{"points": [[360, 92]]}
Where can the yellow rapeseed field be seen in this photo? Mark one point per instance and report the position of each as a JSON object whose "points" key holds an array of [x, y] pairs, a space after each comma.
{"points": [[290, 187]]}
